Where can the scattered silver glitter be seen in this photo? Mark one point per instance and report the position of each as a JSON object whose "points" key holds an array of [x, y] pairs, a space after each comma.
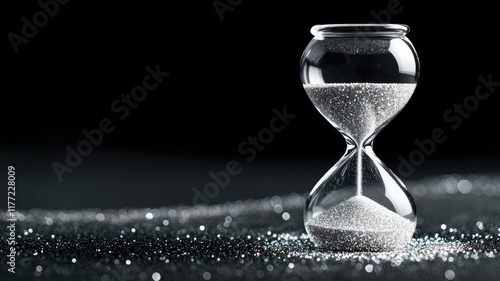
{"points": [[286, 216], [257, 243], [360, 224], [207, 276], [449, 274], [358, 109], [156, 276]]}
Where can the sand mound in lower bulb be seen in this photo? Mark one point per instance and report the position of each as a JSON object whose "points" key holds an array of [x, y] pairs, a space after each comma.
{"points": [[360, 224]]}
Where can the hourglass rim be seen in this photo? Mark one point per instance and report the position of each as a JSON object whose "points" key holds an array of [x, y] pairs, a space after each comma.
{"points": [[360, 30]]}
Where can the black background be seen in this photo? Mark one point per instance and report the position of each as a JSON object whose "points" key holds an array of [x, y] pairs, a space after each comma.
{"points": [[225, 79]]}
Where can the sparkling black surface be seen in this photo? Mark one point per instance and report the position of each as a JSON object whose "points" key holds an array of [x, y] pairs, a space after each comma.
{"points": [[457, 238]]}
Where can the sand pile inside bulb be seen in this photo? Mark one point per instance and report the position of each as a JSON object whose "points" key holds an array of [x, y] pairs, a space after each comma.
{"points": [[358, 109], [360, 224]]}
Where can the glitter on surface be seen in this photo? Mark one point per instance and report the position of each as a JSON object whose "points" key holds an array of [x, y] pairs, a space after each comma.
{"points": [[360, 224], [257, 243], [358, 109]]}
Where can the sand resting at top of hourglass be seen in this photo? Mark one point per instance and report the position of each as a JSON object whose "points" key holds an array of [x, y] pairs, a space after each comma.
{"points": [[360, 224], [359, 109]]}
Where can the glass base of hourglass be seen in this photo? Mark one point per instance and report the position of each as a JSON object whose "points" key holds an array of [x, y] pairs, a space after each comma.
{"points": [[360, 205]]}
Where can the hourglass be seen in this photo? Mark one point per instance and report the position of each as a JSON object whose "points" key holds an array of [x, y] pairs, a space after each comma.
{"points": [[359, 77]]}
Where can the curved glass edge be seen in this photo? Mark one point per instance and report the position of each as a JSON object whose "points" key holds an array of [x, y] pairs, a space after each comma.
{"points": [[360, 30]]}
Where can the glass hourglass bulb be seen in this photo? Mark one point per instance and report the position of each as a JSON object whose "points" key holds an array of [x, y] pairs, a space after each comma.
{"points": [[359, 77]]}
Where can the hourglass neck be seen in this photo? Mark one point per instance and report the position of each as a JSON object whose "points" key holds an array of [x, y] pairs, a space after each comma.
{"points": [[353, 144]]}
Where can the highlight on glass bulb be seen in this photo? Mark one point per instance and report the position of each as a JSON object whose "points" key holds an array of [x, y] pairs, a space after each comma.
{"points": [[359, 77]]}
